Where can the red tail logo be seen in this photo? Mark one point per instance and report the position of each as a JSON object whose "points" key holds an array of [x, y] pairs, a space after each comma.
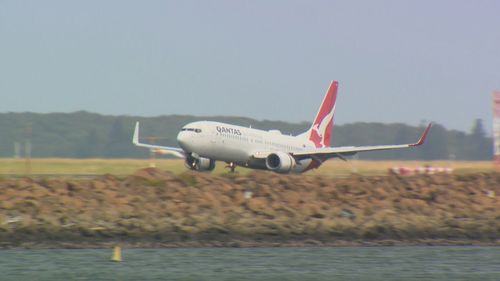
{"points": [[321, 130]]}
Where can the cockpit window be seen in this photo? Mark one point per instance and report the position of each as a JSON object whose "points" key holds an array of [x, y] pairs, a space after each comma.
{"points": [[191, 130]]}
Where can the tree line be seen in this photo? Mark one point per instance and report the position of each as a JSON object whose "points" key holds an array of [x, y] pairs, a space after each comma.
{"points": [[89, 135]]}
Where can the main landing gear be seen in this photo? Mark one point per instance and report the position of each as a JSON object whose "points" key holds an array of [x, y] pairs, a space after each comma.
{"points": [[231, 166]]}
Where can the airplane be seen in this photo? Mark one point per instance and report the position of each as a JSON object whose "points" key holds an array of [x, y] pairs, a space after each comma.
{"points": [[202, 143]]}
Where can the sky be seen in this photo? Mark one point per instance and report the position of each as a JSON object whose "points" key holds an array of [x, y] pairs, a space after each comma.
{"points": [[396, 61]]}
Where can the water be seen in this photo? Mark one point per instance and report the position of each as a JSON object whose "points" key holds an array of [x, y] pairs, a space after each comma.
{"points": [[357, 263]]}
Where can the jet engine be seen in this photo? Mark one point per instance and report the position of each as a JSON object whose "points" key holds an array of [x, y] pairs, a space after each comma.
{"points": [[280, 162], [200, 163]]}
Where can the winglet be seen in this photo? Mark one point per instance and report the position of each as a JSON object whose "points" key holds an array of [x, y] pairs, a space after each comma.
{"points": [[135, 138], [423, 137]]}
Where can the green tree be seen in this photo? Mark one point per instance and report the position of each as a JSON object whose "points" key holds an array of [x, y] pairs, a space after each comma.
{"points": [[479, 147], [83, 134], [118, 142]]}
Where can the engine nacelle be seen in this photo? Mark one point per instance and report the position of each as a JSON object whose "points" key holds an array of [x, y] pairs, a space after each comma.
{"points": [[200, 163], [280, 162]]}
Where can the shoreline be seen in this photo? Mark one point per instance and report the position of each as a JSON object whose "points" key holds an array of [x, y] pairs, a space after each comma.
{"points": [[308, 243]]}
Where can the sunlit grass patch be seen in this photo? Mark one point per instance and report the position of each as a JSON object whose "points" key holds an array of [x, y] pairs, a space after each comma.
{"points": [[333, 168]]}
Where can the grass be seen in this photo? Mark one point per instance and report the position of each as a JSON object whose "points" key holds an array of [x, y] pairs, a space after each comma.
{"points": [[85, 166], [334, 168], [375, 168]]}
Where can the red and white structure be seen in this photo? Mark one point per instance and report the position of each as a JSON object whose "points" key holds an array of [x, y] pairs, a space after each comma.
{"points": [[496, 128]]}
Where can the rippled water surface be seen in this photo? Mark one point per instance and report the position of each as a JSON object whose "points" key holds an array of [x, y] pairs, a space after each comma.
{"points": [[358, 263]]}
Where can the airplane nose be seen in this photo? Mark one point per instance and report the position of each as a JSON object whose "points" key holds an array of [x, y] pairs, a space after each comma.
{"points": [[181, 139]]}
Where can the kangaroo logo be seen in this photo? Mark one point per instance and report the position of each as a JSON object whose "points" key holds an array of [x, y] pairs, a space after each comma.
{"points": [[320, 128], [321, 131]]}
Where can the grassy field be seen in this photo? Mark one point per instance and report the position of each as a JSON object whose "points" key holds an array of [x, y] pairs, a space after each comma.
{"points": [[333, 168]]}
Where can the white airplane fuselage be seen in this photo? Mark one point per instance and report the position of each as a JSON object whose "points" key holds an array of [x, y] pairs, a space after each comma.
{"points": [[203, 143], [238, 145]]}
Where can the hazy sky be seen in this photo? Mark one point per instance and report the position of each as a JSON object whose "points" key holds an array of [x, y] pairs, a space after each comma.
{"points": [[396, 61]]}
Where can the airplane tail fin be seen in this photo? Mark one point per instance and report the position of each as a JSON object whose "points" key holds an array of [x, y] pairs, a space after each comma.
{"points": [[320, 132]]}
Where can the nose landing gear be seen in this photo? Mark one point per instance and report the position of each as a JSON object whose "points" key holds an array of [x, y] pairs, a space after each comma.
{"points": [[231, 166]]}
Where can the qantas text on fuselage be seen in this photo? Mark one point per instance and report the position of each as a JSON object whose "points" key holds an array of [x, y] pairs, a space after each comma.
{"points": [[203, 143]]}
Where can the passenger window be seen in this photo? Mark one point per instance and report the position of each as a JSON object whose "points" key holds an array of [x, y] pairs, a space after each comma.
{"points": [[197, 130]]}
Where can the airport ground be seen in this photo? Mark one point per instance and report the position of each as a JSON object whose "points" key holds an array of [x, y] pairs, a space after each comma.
{"points": [[123, 167], [172, 207]]}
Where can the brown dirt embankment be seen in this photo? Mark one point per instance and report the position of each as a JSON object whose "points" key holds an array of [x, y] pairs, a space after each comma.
{"points": [[156, 208]]}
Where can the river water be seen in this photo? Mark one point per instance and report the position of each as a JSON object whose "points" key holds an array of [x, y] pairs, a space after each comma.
{"points": [[355, 263]]}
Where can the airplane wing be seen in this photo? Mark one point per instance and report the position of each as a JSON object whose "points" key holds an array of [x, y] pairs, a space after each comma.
{"points": [[175, 151], [330, 152]]}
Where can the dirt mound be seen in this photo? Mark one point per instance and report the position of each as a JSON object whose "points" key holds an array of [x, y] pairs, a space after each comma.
{"points": [[154, 205]]}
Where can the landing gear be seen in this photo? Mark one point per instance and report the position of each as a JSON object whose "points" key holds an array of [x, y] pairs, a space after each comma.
{"points": [[231, 166]]}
